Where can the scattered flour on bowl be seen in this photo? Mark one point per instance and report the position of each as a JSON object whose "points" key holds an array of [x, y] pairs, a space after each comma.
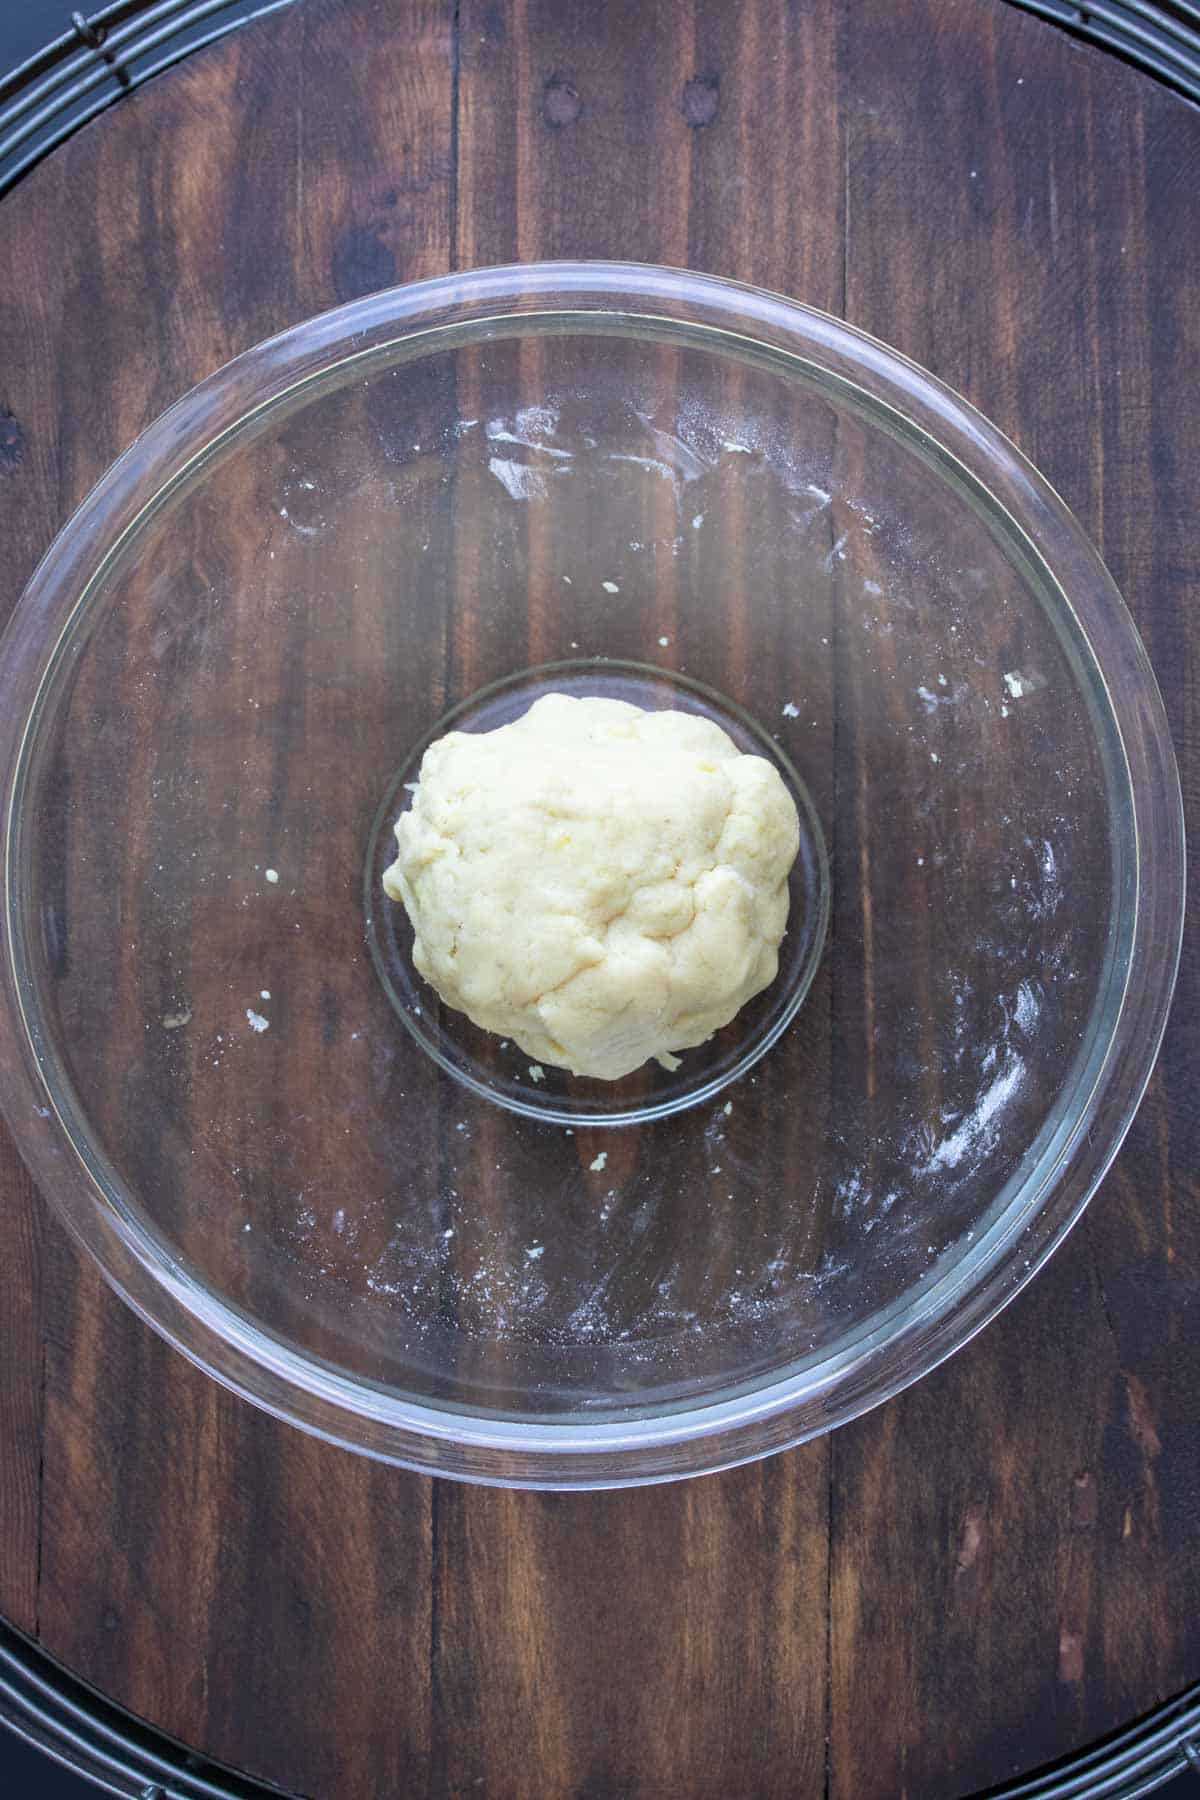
{"points": [[518, 479], [976, 1133]]}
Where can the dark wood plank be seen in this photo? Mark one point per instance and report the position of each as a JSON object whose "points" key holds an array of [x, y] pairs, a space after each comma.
{"points": [[22, 1227], [1144, 1230], [215, 1571], [234, 1550], [28, 419], [1003, 239], [577, 1634], [586, 1656], [30, 513]]}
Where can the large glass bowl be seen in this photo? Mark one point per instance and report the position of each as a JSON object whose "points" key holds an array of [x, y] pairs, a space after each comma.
{"points": [[341, 1200]]}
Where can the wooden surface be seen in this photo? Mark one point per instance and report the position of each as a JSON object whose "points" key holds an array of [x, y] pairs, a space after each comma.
{"points": [[999, 1566]]}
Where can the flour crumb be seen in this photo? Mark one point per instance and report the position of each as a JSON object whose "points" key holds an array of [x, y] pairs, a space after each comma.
{"points": [[610, 587], [727, 1108], [174, 1021], [272, 875], [264, 993], [663, 642], [598, 1162], [536, 1072], [791, 710], [255, 1020], [1020, 685]]}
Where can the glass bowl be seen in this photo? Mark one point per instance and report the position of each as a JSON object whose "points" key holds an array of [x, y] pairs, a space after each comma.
{"points": [[437, 502]]}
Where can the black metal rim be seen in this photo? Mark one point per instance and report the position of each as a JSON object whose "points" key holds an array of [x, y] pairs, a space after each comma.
{"points": [[102, 57]]}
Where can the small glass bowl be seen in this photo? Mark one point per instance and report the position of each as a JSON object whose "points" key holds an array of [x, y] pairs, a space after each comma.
{"points": [[597, 473], [496, 1069]]}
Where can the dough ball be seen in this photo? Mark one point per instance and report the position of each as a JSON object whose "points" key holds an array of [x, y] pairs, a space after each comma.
{"points": [[600, 884]]}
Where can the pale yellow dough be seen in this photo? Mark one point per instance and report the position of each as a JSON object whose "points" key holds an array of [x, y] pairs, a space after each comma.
{"points": [[601, 885]]}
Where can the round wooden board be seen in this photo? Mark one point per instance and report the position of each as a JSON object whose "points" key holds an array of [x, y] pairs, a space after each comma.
{"points": [[1001, 1565]]}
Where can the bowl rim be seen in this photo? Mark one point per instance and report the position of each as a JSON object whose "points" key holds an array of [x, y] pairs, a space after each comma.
{"points": [[627, 1450]]}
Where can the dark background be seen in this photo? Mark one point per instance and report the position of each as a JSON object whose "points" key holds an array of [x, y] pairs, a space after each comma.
{"points": [[27, 1772], [25, 26]]}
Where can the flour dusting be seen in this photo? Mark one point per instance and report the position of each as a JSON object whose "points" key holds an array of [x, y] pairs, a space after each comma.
{"points": [[976, 1133], [519, 479]]}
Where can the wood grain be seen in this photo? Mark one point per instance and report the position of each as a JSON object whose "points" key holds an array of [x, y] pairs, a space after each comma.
{"points": [[618, 1611], [995, 1568], [21, 1392], [246, 1525], [1034, 1531], [606, 1646]]}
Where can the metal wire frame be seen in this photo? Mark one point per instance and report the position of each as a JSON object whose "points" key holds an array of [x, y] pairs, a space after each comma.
{"points": [[101, 58], [1137, 1761], [67, 1720]]}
